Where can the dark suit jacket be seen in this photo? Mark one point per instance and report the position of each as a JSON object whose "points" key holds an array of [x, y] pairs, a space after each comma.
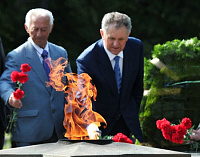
{"points": [[3, 108], [43, 108], [2, 59], [109, 104]]}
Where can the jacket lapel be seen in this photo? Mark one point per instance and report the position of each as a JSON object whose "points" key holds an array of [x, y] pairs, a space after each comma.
{"points": [[128, 64], [106, 69], [125, 74], [53, 52]]}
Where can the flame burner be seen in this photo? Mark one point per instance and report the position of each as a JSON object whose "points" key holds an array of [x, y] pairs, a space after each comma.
{"points": [[78, 91], [99, 142]]}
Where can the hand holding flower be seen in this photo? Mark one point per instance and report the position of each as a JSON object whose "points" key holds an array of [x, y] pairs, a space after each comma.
{"points": [[196, 136], [15, 98], [16, 103]]}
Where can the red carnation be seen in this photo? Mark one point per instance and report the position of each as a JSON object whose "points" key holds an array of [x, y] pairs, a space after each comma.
{"points": [[180, 130], [160, 122], [14, 76], [175, 133], [25, 67], [165, 126], [129, 141], [23, 78], [18, 94], [122, 138], [177, 138], [186, 123], [168, 133], [119, 137]]}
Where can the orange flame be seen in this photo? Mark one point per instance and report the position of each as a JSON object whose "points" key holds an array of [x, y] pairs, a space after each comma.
{"points": [[78, 91]]}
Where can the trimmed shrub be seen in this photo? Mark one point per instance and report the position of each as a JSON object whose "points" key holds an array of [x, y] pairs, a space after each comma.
{"points": [[173, 87]]}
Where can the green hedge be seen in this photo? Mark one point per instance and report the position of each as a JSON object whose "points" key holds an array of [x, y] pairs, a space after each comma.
{"points": [[174, 90]]}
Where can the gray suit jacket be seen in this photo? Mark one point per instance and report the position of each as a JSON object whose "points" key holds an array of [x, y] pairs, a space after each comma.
{"points": [[43, 108]]}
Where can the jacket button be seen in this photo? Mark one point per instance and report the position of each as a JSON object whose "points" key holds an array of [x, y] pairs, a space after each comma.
{"points": [[53, 111]]}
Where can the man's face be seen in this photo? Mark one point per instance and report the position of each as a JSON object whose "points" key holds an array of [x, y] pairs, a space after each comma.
{"points": [[115, 39], [39, 30]]}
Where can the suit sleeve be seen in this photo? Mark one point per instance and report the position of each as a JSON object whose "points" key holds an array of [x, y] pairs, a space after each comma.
{"points": [[68, 69], [138, 85], [82, 68], [6, 84]]}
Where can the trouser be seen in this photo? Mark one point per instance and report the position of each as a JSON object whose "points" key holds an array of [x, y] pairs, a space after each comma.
{"points": [[120, 127], [2, 135]]}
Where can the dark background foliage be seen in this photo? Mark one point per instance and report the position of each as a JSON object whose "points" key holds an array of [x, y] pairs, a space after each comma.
{"points": [[77, 22]]}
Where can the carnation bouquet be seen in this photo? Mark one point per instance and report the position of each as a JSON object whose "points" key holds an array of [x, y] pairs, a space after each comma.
{"points": [[179, 133], [19, 78]]}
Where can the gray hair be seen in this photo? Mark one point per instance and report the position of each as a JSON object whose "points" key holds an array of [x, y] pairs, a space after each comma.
{"points": [[118, 19], [38, 12]]}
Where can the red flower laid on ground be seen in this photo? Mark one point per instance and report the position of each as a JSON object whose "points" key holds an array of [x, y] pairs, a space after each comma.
{"points": [[122, 138], [119, 137]]}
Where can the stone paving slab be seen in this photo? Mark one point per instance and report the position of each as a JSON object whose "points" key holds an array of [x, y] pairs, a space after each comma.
{"points": [[195, 154], [64, 149]]}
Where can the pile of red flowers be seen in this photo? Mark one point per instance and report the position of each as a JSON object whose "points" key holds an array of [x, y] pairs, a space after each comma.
{"points": [[174, 133], [20, 78], [122, 138]]}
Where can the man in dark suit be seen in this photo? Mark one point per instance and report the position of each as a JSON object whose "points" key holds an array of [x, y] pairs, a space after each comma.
{"points": [[2, 106], [118, 98], [40, 112]]}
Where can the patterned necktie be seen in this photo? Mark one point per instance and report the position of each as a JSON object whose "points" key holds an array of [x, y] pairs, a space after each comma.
{"points": [[45, 65], [117, 73]]}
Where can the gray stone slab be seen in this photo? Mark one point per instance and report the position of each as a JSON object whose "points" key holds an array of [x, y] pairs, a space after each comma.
{"points": [[195, 154], [64, 149]]}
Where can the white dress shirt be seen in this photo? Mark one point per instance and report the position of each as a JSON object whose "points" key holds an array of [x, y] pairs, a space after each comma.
{"points": [[112, 60], [39, 50]]}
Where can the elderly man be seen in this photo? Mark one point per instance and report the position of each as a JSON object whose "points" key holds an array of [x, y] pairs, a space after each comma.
{"points": [[41, 111], [115, 64]]}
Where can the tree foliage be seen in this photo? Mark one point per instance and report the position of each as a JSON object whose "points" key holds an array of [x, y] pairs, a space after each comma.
{"points": [[77, 22]]}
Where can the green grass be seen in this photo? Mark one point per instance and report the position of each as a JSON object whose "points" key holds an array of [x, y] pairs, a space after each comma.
{"points": [[7, 142]]}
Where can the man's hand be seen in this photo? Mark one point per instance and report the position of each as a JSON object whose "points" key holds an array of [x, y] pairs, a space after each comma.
{"points": [[196, 136], [14, 102], [94, 135], [93, 131]]}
